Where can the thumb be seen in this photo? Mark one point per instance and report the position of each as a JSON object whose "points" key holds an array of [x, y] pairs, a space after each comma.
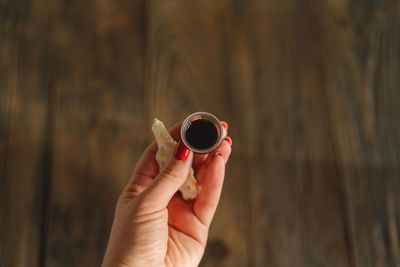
{"points": [[167, 182]]}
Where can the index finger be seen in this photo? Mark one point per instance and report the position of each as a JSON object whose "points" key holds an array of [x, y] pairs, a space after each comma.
{"points": [[210, 179], [147, 165]]}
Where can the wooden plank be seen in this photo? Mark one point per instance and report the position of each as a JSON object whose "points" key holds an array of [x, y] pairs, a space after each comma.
{"points": [[99, 130], [340, 192], [24, 150], [327, 178], [368, 139], [333, 202], [297, 192], [186, 60], [311, 91]]}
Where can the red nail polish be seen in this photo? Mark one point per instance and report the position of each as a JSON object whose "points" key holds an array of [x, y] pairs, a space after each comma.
{"points": [[218, 154], [229, 140], [181, 151]]}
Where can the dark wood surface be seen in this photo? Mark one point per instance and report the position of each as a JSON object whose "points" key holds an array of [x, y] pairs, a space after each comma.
{"points": [[311, 91]]}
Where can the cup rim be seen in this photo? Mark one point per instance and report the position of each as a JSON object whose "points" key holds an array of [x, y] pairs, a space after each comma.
{"points": [[216, 121]]}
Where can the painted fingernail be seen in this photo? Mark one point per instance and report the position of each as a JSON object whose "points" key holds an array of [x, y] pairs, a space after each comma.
{"points": [[224, 124], [181, 151], [218, 154], [229, 140]]}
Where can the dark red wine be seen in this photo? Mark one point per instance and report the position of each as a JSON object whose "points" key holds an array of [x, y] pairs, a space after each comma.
{"points": [[201, 134]]}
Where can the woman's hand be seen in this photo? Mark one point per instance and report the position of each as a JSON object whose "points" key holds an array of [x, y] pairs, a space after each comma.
{"points": [[153, 225]]}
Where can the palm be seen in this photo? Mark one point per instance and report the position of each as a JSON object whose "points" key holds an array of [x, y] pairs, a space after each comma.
{"points": [[186, 234], [175, 232], [153, 225]]}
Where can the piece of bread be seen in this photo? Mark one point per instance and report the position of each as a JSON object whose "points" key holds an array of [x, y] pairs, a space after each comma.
{"points": [[166, 145]]}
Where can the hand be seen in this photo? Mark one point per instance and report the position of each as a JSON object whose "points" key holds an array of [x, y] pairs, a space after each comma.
{"points": [[153, 225]]}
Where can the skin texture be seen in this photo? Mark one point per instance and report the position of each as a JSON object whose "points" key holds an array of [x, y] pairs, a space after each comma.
{"points": [[153, 225]]}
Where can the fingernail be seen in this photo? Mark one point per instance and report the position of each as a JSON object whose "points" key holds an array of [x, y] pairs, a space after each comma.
{"points": [[181, 151], [229, 140], [218, 154], [224, 124]]}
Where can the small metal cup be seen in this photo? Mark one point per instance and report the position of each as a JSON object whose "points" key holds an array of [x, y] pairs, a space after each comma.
{"points": [[197, 116]]}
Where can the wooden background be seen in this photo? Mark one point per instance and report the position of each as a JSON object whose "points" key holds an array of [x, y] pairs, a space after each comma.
{"points": [[311, 91]]}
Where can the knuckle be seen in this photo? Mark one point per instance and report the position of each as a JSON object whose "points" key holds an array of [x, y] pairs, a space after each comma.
{"points": [[226, 143], [171, 172], [225, 148], [140, 203]]}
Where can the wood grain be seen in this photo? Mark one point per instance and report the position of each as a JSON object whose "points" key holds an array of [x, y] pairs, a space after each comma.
{"points": [[373, 179], [185, 72], [24, 149], [311, 92], [97, 49]]}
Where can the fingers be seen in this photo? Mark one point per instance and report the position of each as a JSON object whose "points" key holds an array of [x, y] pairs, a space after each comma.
{"points": [[147, 165], [146, 169], [224, 148], [210, 179], [167, 183], [224, 124]]}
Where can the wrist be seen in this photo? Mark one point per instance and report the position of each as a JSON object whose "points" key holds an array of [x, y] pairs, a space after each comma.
{"points": [[132, 263]]}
